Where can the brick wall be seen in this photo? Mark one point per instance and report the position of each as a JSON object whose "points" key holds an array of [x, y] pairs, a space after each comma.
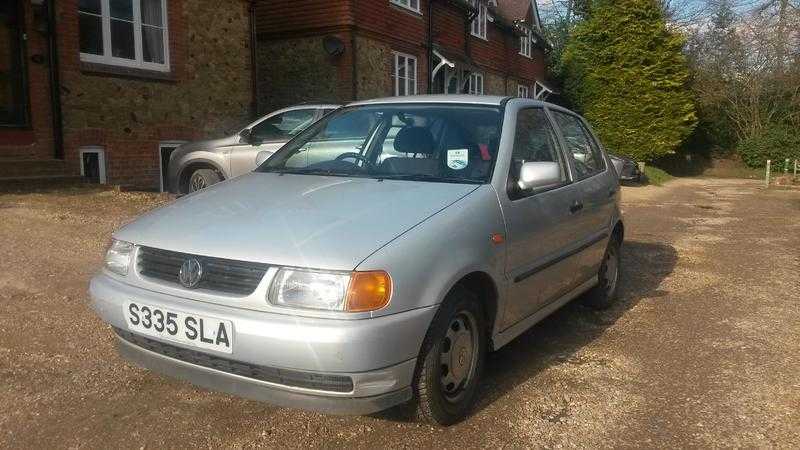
{"points": [[36, 140], [293, 67]]}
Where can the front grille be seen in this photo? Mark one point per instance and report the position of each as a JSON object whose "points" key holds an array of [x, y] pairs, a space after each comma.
{"points": [[286, 377], [221, 275]]}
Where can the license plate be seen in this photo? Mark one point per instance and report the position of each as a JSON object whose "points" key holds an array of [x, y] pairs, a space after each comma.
{"points": [[186, 328]]}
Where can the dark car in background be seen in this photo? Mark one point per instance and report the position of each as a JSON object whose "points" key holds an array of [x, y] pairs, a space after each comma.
{"points": [[627, 169]]}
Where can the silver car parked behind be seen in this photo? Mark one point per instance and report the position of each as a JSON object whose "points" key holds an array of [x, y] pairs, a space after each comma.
{"points": [[196, 165], [375, 259]]}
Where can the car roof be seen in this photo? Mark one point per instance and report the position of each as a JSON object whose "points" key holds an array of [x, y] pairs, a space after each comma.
{"points": [[310, 105], [455, 99], [442, 98]]}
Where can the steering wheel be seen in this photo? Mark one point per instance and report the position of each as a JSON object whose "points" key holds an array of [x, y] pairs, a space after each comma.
{"points": [[356, 156]]}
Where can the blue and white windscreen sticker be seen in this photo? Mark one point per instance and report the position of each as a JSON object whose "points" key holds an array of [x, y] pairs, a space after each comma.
{"points": [[457, 158]]}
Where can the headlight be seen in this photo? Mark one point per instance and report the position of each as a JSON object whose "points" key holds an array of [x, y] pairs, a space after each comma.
{"points": [[332, 291], [118, 257]]}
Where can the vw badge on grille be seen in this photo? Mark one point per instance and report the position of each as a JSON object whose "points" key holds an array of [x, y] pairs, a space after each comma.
{"points": [[191, 272]]}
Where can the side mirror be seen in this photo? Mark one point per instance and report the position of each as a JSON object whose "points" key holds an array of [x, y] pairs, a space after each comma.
{"points": [[262, 156], [536, 175], [245, 135]]}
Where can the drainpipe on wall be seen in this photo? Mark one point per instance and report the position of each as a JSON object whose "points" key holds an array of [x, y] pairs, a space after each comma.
{"points": [[353, 58], [253, 59], [471, 15], [430, 46], [55, 82]]}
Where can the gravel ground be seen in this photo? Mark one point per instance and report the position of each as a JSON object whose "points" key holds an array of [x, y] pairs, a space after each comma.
{"points": [[701, 350]]}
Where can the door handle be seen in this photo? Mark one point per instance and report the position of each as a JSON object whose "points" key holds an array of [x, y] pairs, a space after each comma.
{"points": [[577, 206]]}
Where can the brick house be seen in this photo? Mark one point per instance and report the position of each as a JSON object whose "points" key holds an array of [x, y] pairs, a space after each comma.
{"points": [[311, 50], [107, 87]]}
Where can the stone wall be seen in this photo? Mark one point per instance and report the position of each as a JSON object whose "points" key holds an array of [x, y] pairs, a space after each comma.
{"points": [[494, 84], [208, 90], [374, 68], [299, 70]]}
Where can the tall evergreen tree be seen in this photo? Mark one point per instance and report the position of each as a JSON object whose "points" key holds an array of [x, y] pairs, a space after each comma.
{"points": [[625, 71]]}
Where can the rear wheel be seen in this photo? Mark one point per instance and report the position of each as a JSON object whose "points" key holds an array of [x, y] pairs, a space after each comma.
{"points": [[203, 178], [451, 361], [603, 294]]}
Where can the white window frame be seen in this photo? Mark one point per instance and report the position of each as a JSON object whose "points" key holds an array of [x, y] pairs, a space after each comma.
{"points": [[138, 62], [525, 44], [407, 4], [523, 91], [475, 86], [101, 160], [409, 81], [478, 24], [161, 146]]}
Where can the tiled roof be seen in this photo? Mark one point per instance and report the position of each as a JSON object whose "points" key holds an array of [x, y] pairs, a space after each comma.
{"points": [[512, 10]]}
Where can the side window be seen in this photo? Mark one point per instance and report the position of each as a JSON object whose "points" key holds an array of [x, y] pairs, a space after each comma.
{"points": [[534, 141], [586, 156], [283, 126]]}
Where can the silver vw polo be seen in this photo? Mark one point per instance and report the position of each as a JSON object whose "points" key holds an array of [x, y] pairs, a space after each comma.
{"points": [[375, 259]]}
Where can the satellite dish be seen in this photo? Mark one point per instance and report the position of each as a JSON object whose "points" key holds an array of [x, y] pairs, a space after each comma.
{"points": [[333, 45]]}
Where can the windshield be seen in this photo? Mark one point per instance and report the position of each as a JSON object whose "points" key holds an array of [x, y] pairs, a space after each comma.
{"points": [[440, 143]]}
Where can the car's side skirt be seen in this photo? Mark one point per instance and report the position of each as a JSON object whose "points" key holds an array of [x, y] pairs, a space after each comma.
{"points": [[506, 336]]}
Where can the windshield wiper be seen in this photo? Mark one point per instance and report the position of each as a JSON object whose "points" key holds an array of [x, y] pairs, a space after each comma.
{"points": [[310, 171], [428, 177]]}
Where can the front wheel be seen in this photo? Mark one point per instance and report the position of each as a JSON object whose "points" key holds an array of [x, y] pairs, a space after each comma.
{"points": [[451, 361], [203, 178]]}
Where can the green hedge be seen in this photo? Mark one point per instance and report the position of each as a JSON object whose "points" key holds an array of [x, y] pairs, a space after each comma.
{"points": [[777, 143]]}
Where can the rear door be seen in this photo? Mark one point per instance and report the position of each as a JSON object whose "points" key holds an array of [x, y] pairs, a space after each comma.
{"points": [[540, 227], [597, 185]]}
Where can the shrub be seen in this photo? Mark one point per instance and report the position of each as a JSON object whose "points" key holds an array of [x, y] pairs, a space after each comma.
{"points": [[777, 143], [656, 176]]}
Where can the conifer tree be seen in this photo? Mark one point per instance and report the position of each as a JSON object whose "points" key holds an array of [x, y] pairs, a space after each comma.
{"points": [[625, 71]]}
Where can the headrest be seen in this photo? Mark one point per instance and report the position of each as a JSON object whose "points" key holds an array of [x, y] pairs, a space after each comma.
{"points": [[414, 140]]}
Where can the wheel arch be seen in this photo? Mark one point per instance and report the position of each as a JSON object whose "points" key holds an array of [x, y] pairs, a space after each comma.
{"points": [[485, 289], [618, 231]]}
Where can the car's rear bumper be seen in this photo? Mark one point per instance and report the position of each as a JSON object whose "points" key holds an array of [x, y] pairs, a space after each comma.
{"points": [[268, 392]]}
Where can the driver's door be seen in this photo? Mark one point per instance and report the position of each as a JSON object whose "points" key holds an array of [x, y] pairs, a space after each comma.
{"points": [[269, 135]]}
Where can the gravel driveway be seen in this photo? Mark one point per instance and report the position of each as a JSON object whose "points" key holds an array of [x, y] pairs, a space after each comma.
{"points": [[702, 349]]}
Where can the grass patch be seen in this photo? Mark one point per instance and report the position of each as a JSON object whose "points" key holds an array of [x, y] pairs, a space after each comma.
{"points": [[656, 176]]}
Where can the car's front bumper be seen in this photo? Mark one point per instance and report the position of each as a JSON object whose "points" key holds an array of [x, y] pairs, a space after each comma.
{"points": [[377, 355], [274, 394]]}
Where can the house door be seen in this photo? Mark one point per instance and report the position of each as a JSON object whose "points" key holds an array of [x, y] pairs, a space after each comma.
{"points": [[13, 86]]}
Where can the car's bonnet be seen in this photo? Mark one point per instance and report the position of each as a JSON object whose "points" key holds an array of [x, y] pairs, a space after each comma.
{"points": [[210, 144], [293, 220]]}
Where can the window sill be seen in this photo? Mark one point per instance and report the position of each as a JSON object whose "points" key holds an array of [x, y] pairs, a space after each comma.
{"points": [[91, 68], [406, 9], [479, 37]]}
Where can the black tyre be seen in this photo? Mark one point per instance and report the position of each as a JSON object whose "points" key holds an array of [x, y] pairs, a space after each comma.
{"points": [[603, 294], [203, 178], [451, 360]]}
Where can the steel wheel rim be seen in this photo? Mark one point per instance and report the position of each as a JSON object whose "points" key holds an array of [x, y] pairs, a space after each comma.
{"points": [[197, 182], [612, 270], [458, 356]]}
